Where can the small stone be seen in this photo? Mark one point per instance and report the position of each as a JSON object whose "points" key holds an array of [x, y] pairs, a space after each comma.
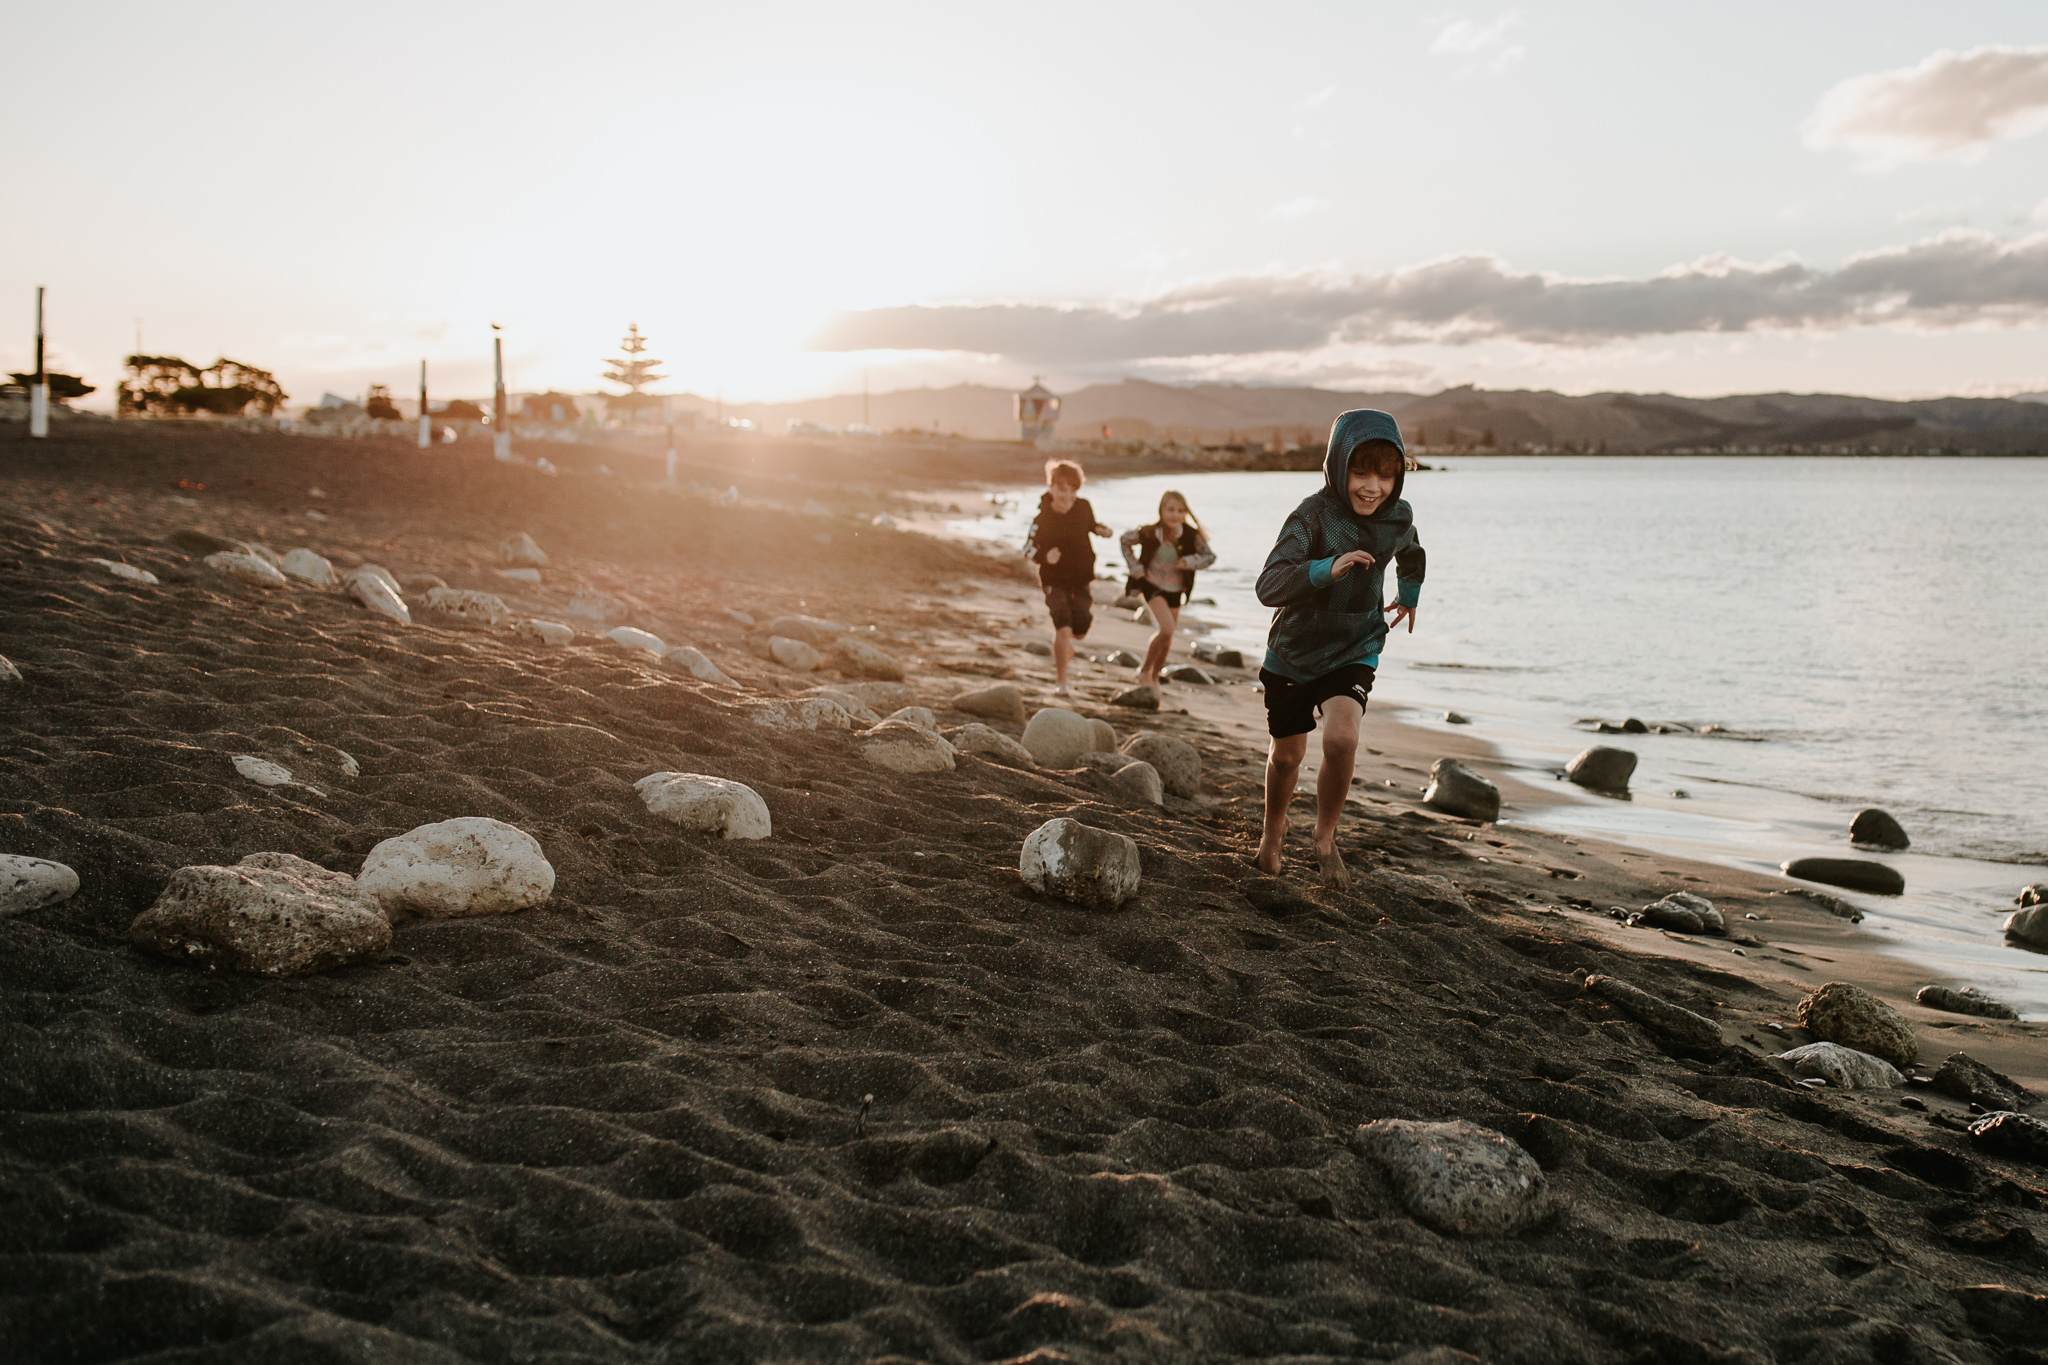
{"points": [[272, 914], [599, 608], [1057, 737], [8, 672], [248, 568], [1675, 1022], [1118, 658], [478, 608], [127, 571], [264, 773], [858, 659], [1139, 698], [905, 748], [864, 715], [1843, 1067], [815, 631], [547, 632], [520, 575], [471, 865], [1106, 761], [1188, 673], [795, 654], [1686, 913], [1038, 647], [1964, 1001], [1601, 768], [802, 713], [1847, 1014], [2028, 927], [1851, 874], [1178, 763], [522, 549], [698, 665], [380, 573], [1965, 1078], [745, 618], [1457, 790], [2013, 1135], [1139, 781], [1873, 828], [628, 638], [926, 719], [2035, 894], [706, 805], [309, 567], [1209, 652], [1455, 718], [378, 595], [983, 742], [1093, 867], [1458, 1177], [1632, 726], [32, 883], [1001, 701]]}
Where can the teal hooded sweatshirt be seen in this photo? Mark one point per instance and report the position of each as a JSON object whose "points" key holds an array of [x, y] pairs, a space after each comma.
{"points": [[1321, 624]]}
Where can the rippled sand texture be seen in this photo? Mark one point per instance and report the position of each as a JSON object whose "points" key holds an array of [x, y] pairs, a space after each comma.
{"points": [[628, 1125]]}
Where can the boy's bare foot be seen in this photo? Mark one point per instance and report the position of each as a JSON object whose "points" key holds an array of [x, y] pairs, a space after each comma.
{"points": [[1335, 874], [1268, 863]]}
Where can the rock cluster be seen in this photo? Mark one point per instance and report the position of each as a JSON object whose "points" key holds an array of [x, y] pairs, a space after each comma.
{"points": [[272, 914], [1456, 790], [1847, 1014], [471, 865], [1457, 1177], [1097, 868], [706, 805]]}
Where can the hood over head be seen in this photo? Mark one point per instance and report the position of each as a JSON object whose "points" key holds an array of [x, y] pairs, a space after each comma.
{"points": [[1350, 431]]}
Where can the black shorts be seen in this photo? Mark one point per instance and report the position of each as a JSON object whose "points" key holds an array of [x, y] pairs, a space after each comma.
{"points": [[1072, 608], [1145, 588], [1292, 707]]}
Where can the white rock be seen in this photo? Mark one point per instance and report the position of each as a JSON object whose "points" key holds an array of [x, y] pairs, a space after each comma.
{"points": [[1058, 737], [637, 639], [905, 748], [127, 571], [32, 883], [999, 701], [706, 805], [267, 555], [1843, 1066], [1093, 867], [264, 773], [863, 715], [480, 608], [794, 654], [271, 914], [989, 743], [924, 718], [858, 659], [698, 665], [520, 575], [8, 672], [382, 574], [308, 567], [547, 632], [472, 865], [1457, 1177], [803, 713], [379, 595], [248, 568], [521, 549], [1179, 765], [816, 631], [1139, 780], [881, 697]]}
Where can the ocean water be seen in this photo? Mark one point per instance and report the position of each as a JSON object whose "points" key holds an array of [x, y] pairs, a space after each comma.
{"points": [[1868, 631]]}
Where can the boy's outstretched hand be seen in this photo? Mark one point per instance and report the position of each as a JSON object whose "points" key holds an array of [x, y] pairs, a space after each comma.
{"points": [[1401, 613], [1343, 563]]}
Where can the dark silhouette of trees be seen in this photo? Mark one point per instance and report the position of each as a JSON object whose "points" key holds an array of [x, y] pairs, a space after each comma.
{"points": [[165, 386], [461, 410], [379, 405]]}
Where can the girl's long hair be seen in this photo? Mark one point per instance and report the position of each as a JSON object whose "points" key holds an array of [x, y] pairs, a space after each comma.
{"points": [[1171, 495]]}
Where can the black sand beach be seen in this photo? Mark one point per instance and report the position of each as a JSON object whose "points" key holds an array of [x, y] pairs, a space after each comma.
{"points": [[634, 1123]]}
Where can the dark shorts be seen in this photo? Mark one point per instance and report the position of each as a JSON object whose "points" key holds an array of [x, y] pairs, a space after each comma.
{"points": [[1145, 588], [1072, 608], [1292, 707]]}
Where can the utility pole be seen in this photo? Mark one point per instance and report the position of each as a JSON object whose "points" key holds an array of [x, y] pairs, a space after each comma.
{"points": [[426, 424], [39, 394], [501, 429]]}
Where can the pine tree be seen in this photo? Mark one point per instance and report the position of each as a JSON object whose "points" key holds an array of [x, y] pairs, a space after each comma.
{"points": [[635, 372]]}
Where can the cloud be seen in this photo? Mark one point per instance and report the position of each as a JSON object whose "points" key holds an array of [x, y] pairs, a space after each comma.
{"points": [[1297, 208], [1319, 99], [1464, 38], [1950, 102], [1959, 278]]}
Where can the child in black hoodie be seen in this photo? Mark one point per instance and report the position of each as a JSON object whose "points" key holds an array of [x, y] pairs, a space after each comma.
{"points": [[1059, 546]]}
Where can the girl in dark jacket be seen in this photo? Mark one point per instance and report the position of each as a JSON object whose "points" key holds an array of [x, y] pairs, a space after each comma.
{"points": [[1162, 559]]}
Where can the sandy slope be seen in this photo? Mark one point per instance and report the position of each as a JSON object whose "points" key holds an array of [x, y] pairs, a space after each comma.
{"points": [[628, 1124]]}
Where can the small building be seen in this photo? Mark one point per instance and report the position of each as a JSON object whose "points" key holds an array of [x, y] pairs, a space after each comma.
{"points": [[1038, 412]]}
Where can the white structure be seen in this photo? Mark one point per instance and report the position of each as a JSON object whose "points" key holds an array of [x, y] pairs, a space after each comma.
{"points": [[1038, 412]]}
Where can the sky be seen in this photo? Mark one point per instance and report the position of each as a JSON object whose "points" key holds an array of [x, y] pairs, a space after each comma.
{"points": [[793, 199]]}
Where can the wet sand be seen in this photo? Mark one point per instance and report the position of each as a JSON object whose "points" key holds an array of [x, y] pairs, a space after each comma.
{"points": [[628, 1124]]}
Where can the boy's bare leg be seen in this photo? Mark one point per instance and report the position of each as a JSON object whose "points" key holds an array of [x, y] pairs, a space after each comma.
{"points": [[1283, 768], [1165, 620], [1333, 783], [1062, 654]]}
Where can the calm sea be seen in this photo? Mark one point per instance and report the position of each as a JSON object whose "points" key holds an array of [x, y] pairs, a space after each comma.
{"points": [[1869, 632]]}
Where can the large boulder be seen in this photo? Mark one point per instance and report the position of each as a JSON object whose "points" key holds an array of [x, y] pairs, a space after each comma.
{"points": [[983, 742], [271, 914], [1139, 781], [905, 748], [1851, 874], [796, 654], [1965, 1078], [1602, 768], [1843, 1067], [522, 550], [646, 642], [706, 805], [1000, 701], [1457, 1177], [698, 665], [814, 631], [1964, 1001], [1684, 913], [2028, 927], [32, 883], [309, 567], [856, 658], [1873, 828], [248, 568], [802, 713], [375, 590], [477, 608], [1093, 867], [1177, 762], [1058, 737], [1455, 789], [1847, 1014], [471, 865]]}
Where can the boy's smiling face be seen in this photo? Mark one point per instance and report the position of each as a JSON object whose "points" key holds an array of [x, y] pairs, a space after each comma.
{"points": [[1369, 489], [1063, 496]]}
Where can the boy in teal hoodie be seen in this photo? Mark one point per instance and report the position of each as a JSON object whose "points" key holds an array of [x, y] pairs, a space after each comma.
{"points": [[1326, 578]]}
